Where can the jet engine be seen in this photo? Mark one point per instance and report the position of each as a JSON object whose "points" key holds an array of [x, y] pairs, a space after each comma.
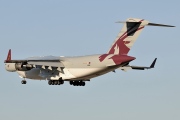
{"points": [[12, 67]]}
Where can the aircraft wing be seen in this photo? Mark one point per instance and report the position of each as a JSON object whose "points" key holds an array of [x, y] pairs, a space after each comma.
{"points": [[128, 67], [38, 60], [46, 62]]}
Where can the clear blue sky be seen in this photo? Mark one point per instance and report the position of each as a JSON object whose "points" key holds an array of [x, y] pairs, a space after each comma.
{"points": [[79, 27]]}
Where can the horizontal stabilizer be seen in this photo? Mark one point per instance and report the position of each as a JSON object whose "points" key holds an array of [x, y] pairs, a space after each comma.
{"points": [[149, 24], [125, 68], [131, 30], [161, 25], [143, 68]]}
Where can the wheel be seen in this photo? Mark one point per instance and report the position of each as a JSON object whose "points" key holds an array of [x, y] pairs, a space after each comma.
{"points": [[83, 83], [79, 83], [23, 82], [59, 83], [55, 82], [71, 82], [75, 83], [50, 82]]}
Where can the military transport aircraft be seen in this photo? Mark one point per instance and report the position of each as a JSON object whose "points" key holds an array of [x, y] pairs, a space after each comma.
{"points": [[79, 69]]}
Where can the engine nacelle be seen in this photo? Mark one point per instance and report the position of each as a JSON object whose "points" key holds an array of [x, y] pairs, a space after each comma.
{"points": [[12, 67]]}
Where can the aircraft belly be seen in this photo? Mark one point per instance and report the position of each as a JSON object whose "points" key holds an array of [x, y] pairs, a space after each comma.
{"points": [[81, 72], [31, 74]]}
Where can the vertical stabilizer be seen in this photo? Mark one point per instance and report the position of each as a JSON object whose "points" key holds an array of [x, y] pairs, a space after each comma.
{"points": [[127, 36]]}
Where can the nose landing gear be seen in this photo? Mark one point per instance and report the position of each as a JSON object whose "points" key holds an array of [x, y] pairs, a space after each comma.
{"points": [[23, 81]]}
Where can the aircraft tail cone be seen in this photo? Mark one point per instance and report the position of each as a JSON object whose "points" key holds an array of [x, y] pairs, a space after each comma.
{"points": [[119, 59]]}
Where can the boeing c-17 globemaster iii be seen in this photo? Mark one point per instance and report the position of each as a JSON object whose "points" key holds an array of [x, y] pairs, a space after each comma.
{"points": [[78, 70]]}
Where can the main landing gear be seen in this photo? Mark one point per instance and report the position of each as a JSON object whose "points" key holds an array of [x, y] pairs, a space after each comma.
{"points": [[55, 82], [77, 83]]}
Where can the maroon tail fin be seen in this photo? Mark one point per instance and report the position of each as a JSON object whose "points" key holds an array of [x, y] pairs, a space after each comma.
{"points": [[127, 36], [8, 56]]}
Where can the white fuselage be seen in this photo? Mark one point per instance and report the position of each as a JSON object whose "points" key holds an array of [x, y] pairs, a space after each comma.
{"points": [[75, 68]]}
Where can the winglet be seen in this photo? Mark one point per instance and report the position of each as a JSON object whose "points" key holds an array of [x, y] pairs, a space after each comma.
{"points": [[8, 56], [153, 63]]}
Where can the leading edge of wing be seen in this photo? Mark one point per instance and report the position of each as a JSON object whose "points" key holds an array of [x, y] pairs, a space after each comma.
{"points": [[33, 59], [19, 61]]}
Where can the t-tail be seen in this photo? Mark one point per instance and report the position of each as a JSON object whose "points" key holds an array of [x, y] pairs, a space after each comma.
{"points": [[128, 35]]}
